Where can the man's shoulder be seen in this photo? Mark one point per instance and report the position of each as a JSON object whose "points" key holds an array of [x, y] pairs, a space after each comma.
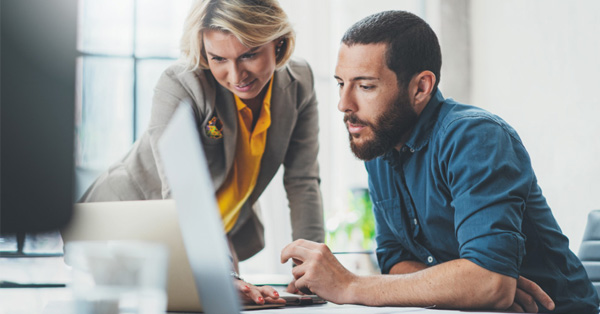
{"points": [[454, 114], [458, 122], [452, 110]]}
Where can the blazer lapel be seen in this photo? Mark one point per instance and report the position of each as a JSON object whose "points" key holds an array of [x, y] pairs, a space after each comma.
{"points": [[227, 112], [283, 115]]}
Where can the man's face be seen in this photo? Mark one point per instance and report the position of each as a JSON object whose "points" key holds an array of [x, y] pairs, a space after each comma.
{"points": [[377, 113]]}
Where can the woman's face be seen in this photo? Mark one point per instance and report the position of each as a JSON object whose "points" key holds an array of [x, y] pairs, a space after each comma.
{"points": [[242, 70]]}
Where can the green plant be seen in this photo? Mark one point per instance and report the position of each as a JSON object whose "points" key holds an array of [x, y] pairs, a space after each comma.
{"points": [[355, 224]]}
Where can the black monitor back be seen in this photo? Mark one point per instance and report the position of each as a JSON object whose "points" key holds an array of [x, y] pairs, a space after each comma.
{"points": [[37, 105]]}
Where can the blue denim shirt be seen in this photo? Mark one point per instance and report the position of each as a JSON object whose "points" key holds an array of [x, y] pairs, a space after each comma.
{"points": [[463, 186]]}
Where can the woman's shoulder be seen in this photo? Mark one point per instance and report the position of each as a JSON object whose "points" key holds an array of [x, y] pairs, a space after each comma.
{"points": [[178, 80], [298, 63], [179, 72], [299, 70], [298, 67]]}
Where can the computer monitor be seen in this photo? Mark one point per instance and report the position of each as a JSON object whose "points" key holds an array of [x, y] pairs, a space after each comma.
{"points": [[38, 52]]}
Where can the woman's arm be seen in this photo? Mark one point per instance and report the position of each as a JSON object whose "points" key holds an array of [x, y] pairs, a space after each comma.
{"points": [[301, 177]]}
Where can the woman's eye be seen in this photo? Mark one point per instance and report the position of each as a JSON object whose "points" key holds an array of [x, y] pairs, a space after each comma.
{"points": [[218, 59], [248, 55]]}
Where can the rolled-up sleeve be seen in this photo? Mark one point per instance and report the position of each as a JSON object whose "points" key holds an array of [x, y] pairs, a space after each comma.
{"points": [[489, 175], [389, 251]]}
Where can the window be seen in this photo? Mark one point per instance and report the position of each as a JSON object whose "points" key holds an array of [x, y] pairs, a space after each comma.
{"points": [[125, 45]]}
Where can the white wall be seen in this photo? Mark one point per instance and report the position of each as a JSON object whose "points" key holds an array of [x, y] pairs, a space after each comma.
{"points": [[536, 64]]}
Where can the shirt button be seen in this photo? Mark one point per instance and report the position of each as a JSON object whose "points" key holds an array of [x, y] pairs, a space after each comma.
{"points": [[412, 150], [404, 148], [430, 259], [415, 220]]}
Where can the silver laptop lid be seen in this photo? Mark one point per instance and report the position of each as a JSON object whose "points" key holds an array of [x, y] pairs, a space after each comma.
{"points": [[199, 219]]}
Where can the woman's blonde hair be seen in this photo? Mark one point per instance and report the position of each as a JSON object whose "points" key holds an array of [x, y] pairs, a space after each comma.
{"points": [[253, 22]]}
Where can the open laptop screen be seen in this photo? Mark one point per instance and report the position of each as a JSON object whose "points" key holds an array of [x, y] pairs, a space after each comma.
{"points": [[201, 227]]}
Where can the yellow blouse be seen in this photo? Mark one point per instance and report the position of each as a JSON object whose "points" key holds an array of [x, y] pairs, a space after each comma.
{"points": [[249, 150]]}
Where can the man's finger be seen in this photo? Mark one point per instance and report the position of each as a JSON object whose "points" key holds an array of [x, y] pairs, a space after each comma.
{"points": [[302, 286], [515, 308], [536, 292], [298, 272], [298, 250], [526, 301], [291, 288], [305, 290]]}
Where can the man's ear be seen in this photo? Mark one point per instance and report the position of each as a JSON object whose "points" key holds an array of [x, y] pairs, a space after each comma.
{"points": [[420, 88]]}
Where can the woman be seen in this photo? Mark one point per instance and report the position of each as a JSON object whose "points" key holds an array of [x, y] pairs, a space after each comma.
{"points": [[256, 110]]}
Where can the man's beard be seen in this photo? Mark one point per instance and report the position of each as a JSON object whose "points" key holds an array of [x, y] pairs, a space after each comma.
{"points": [[388, 129]]}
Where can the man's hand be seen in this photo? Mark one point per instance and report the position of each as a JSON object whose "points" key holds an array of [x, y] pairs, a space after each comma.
{"points": [[318, 271], [527, 293], [291, 288]]}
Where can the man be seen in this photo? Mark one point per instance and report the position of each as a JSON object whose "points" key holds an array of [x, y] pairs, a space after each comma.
{"points": [[461, 220]]}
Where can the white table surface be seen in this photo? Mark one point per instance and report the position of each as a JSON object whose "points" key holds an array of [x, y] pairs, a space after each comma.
{"points": [[58, 300]]}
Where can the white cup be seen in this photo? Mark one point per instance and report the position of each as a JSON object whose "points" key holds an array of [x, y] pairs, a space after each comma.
{"points": [[118, 277]]}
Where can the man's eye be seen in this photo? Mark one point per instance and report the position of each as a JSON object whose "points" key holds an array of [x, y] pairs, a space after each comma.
{"points": [[367, 87], [340, 84]]}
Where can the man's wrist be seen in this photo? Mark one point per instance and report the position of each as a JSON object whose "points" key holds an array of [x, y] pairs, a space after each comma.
{"points": [[355, 294]]}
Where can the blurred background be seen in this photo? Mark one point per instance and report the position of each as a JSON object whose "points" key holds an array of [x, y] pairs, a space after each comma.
{"points": [[534, 63]]}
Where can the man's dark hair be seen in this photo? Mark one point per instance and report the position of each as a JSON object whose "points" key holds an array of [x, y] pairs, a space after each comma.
{"points": [[412, 46]]}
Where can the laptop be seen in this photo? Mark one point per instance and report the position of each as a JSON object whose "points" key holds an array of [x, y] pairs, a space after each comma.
{"points": [[189, 225]]}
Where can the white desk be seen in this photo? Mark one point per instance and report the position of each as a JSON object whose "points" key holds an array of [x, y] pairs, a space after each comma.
{"points": [[31, 300], [331, 308], [57, 300], [32, 270]]}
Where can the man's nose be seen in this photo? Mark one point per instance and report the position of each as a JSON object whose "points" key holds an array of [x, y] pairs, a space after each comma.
{"points": [[347, 101]]}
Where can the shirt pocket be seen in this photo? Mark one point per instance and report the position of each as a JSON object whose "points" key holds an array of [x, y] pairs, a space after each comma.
{"points": [[390, 210]]}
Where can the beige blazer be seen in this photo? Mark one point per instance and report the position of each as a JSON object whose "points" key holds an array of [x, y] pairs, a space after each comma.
{"points": [[292, 140]]}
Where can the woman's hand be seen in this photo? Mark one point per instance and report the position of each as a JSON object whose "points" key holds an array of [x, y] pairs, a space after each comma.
{"points": [[251, 294]]}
